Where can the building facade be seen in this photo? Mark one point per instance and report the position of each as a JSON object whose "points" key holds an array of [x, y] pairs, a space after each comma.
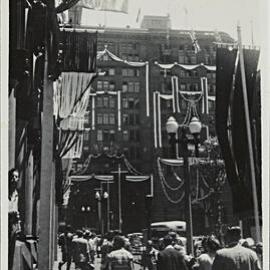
{"points": [[123, 116]]}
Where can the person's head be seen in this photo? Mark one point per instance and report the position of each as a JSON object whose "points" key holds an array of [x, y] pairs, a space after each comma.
{"points": [[259, 248], [13, 178], [68, 229], [168, 240], [212, 244], [87, 234], [149, 244], [233, 234], [118, 242], [79, 233], [110, 236]]}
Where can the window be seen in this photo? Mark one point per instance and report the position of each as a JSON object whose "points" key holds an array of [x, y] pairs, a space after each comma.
{"points": [[188, 86], [181, 59], [112, 102], [137, 104], [137, 72], [130, 87], [112, 119], [111, 72], [99, 118], [124, 72], [137, 135], [112, 135], [132, 135], [125, 103], [99, 136], [182, 73], [112, 86], [105, 85], [137, 87], [105, 119], [131, 103], [106, 102], [194, 73], [131, 72], [131, 119], [124, 87], [86, 136], [99, 102], [137, 119], [99, 85], [125, 135], [106, 136], [193, 59], [125, 119]]}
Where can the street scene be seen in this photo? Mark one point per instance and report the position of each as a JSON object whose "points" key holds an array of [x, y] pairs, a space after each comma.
{"points": [[134, 136]]}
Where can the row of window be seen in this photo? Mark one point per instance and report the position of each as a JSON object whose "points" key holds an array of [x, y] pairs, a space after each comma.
{"points": [[106, 102], [192, 59], [131, 87], [126, 72], [110, 102], [109, 135], [131, 119], [106, 118], [110, 119]]}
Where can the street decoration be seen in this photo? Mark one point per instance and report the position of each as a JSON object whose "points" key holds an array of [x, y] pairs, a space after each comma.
{"points": [[100, 54], [72, 90], [105, 5]]}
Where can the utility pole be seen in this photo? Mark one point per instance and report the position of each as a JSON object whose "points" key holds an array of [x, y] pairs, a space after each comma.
{"points": [[45, 252], [119, 173], [249, 138]]}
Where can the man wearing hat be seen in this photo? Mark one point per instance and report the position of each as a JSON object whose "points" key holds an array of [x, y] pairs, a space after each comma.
{"points": [[169, 258], [235, 256]]}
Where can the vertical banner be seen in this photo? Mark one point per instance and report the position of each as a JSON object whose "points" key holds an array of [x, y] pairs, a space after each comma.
{"points": [[93, 112], [177, 95], [203, 97], [155, 118], [147, 88], [119, 109], [173, 94], [159, 120], [205, 81]]}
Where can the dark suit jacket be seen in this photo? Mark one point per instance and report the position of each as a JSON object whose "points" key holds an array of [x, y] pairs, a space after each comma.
{"points": [[171, 259]]}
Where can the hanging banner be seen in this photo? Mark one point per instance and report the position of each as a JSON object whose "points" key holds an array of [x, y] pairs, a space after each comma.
{"points": [[105, 5]]}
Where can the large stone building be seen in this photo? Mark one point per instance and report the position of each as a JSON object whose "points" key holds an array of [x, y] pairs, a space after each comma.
{"points": [[123, 116]]}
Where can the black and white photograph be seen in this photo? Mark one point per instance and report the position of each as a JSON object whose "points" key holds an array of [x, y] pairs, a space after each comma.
{"points": [[134, 135]]}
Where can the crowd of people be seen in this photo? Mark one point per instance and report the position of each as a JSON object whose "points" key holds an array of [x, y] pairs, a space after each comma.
{"points": [[168, 253]]}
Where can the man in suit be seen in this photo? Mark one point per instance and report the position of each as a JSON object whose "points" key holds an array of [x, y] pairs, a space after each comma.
{"points": [[169, 258], [235, 256], [80, 252]]}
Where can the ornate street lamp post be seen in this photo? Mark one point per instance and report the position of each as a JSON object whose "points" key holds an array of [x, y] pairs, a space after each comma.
{"points": [[195, 128], [99, 196]]}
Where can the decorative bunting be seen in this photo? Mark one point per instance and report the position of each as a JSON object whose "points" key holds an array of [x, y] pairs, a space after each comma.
{"points": [[119, 109], [186, 67]]}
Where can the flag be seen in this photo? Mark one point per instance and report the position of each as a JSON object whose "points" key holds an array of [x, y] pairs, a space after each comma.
{"points": [[231, 125], [195, 42], [138, 15], [105, 5]]}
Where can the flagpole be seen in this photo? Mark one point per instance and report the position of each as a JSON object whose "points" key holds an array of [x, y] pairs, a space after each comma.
{"points": [[250, 148]]}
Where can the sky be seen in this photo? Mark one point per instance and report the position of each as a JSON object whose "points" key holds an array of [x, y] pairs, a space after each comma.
{"points": [[209, 15]]}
